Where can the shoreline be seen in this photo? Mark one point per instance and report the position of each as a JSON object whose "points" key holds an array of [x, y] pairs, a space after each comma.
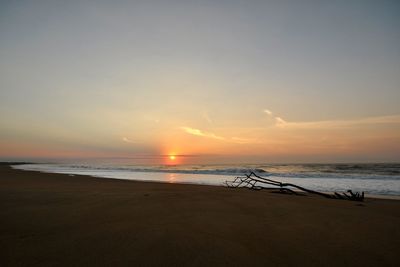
{"points": [[56, 219], [374, 196]]}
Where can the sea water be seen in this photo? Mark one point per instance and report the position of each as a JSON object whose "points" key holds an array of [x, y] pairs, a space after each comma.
{"points": [[373, 179]]}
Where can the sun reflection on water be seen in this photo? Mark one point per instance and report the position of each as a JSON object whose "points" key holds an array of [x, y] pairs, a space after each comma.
{"points": [[171, 177]]}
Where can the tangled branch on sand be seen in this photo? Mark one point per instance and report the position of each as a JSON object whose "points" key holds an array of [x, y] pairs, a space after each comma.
{"points": [[256, 182]]}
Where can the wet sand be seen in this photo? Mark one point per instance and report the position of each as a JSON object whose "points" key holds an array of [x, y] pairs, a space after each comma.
{"points": [[61, 220]]}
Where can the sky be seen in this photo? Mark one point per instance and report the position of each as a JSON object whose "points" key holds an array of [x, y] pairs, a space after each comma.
{"points": [[207, 81]]}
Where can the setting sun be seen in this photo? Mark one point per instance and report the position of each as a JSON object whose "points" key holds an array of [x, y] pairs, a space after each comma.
{"points": [[172, 157]]}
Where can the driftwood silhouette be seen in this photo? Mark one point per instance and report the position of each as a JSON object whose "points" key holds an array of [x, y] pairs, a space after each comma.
{"points": [[256, 182]]}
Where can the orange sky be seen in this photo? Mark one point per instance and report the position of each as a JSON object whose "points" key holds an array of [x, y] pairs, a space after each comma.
{"points": [[269, 138]]}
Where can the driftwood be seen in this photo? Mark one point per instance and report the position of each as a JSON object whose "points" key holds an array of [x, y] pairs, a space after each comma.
{"points": [[256, 182]]}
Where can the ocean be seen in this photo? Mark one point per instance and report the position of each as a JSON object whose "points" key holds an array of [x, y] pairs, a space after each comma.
{"points": [[373, 179]]}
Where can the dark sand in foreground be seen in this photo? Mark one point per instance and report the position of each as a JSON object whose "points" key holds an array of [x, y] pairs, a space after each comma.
{"points": [[54, 219]]}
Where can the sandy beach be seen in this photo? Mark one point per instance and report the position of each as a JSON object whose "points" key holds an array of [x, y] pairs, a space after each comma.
{"points": [[62, 220]]}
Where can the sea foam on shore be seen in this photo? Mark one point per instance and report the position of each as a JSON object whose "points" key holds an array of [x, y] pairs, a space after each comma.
{"points": [[374, 179]]}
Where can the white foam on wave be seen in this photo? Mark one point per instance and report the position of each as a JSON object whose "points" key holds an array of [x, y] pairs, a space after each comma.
{"points": [[209, 175]]}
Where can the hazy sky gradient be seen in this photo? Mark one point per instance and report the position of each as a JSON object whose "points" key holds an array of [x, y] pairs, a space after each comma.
{"points": [[246, 80]]}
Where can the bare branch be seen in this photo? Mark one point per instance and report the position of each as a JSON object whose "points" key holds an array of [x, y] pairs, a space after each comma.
{"points": [[256, 182]]}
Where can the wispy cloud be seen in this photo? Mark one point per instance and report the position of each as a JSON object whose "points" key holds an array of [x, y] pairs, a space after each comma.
{"points": [[198, 132], [279, 122], [236, 140], [269, 112], [127, 140]]}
